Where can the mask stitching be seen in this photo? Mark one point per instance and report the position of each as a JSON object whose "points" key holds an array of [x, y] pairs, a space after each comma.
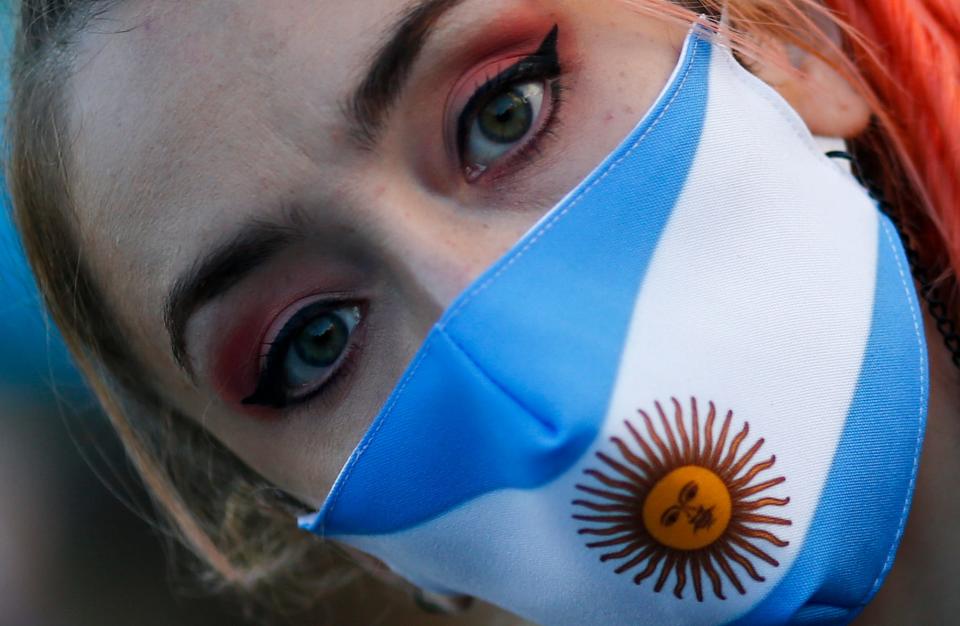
{"points": [[371, 436], [891, 553], [552, 428], [388, 411], [765, 91], [576, 200]]}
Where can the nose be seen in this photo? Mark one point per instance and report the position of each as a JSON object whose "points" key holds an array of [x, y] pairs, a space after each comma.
{"points": [[436, 247]]}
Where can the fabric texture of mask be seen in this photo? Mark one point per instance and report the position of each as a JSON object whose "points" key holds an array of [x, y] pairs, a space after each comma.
{"points": [[694, 393]]}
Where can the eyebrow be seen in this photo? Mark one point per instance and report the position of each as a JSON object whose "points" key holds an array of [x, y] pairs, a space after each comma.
{"points": [[368, 105], [222, 268]]}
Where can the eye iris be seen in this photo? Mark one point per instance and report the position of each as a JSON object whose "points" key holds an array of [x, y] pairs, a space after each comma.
{"points": [[507, 117], [322, 341]]}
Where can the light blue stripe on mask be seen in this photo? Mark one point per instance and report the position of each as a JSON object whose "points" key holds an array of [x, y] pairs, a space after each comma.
{"points": [[854, 530], [559, 279]]}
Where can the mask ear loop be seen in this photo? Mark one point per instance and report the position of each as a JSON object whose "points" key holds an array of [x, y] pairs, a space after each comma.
{"points": [[937, 307]]}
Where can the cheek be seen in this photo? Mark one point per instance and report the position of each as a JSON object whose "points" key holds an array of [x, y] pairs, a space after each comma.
{"points": [[616, 87]]}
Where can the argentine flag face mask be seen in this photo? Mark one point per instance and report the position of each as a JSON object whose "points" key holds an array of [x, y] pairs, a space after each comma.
{"points": [[693, 393]]}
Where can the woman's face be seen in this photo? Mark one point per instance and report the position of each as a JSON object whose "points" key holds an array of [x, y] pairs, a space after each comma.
{"points": [[279, 199], [279, 202]]}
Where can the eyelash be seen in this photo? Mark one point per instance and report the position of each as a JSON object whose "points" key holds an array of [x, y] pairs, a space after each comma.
{"points": [[543, 65], [270, 391]]}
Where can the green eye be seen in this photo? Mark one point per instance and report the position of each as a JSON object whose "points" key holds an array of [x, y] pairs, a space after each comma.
{"points": [[322, 341], [318, 345], [312, 347], [506, 118], [505, 121]]}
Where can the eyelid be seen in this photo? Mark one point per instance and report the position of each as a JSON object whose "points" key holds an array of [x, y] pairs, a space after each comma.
{"points": [[514, 74], [503, 70], [541, 65], [265, 394], [465, 90], [281, 321]]}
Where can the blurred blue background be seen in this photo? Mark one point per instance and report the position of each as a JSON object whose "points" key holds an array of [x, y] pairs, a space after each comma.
{"points": [[70, 553]]}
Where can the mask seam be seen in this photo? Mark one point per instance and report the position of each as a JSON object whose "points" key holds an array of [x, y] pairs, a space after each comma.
{"points": [[551, 427], [576, 200], [765, 91], [918, 444], [372, 435]]}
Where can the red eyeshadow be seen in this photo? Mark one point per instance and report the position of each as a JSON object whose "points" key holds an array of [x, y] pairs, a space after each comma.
{"points": [[236, 365]]}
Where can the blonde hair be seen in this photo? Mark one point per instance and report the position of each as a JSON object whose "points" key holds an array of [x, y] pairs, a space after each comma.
{"points": [[902, 55]]}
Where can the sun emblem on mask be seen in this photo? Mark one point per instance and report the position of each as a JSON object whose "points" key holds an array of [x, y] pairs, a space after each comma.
{"points": [[683, 502]]}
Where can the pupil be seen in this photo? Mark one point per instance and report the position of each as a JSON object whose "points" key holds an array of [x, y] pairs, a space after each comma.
{"points": [[322, 341], [506, 118]]}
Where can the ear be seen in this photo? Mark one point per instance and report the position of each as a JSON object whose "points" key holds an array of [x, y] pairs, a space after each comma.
{"points": [[826, 101]]}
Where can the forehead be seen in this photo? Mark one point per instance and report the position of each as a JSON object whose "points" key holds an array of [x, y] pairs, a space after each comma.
{"points": [[164, 87], [186, 116]]}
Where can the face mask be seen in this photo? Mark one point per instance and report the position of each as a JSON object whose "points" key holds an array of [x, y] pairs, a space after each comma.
{"points": [[693, 393]]}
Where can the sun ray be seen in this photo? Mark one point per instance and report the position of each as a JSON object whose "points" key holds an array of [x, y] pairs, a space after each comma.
{"points": [[695, 427], [762, 502], [682, 431], [615, 484], [628, 454], [604, 518], [695, 575], [755, 551], [676, 506], [657, 441], [714, 578], [733, 449], [739, 465], [756, 533], [654, 461], [749, 491], [650, 568], [731, 575], [675, 458], [721, 440], [754, 471], [681, 576], [764, 519], [627, 473], [708, 431], [637, 560], [605, 508], [606, 532], [609, 495], [616, 541], [744, 563], [665, 572], [625, 552]]}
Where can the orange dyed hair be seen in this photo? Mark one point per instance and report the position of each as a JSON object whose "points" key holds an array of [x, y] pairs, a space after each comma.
{"points": [[913, 67]]}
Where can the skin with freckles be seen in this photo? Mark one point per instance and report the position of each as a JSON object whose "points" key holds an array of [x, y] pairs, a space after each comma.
{"points": [[197, 123]]}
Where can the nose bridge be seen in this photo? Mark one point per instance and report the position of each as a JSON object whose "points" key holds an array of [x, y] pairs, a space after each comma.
{"points": [[435, 246]]}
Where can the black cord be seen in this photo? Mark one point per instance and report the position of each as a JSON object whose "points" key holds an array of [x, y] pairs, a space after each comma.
{"points": [[939, 310]]}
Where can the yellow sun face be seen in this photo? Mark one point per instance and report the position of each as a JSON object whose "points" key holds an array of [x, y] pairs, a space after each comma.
{"points": [[684, 504], [687, 509]]}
